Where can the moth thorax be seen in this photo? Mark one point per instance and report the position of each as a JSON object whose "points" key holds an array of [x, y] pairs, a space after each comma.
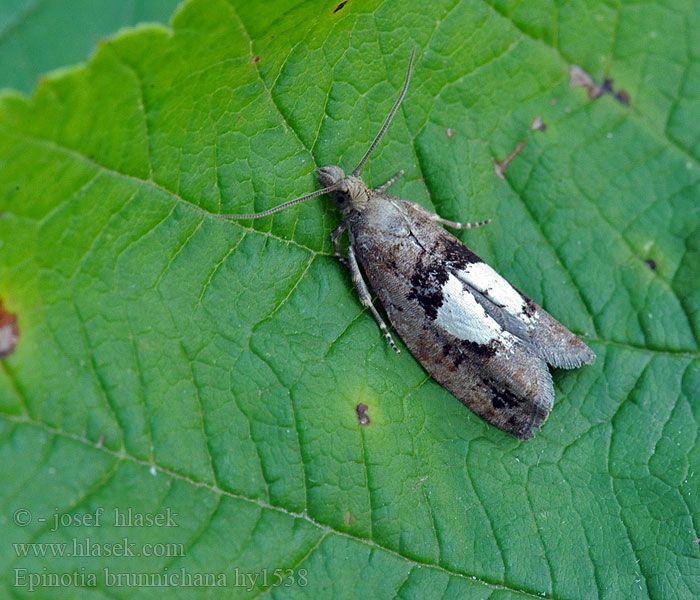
{"points": [[358, 192]]}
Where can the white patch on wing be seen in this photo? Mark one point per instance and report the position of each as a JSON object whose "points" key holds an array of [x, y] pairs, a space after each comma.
{"points": [[463, 317], [487, 281]]}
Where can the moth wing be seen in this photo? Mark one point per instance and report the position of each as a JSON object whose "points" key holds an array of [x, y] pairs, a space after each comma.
{"points": [[524, 318], [514, 311], [512, 390], [408, 261]]}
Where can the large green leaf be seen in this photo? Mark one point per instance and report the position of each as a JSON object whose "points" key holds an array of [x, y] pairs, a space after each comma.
{"points": [[170, 361]]}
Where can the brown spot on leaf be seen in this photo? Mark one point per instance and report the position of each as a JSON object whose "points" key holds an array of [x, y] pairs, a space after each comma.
{"points": [[348, 519], [500, 166], [538, 124], [450, 132], [254, 59], [362, 416], [240, 118], [9, 332], [623, 96], [580, 78], [651, 263], [340, 6]]}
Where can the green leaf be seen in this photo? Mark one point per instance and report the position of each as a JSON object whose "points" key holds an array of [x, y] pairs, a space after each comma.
{"points": [[172, 363]]}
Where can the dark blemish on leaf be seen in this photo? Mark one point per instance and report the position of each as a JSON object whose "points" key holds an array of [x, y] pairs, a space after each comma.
{"points": [[538, 124], [240, 118], [449, 132], [623, 97], [254, 59], [348, 519], [500, 166], [651, 263], [362, 417], [9, 332], [340, 6], [101, 441], [580, 78]]}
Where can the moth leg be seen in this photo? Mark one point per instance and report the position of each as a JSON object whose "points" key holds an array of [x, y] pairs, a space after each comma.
{"points": [[365, 297], [385, 186], [335, 236], [456, 225]]}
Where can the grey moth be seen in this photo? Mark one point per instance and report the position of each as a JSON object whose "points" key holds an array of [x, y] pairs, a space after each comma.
{"points": [[477, 335]]}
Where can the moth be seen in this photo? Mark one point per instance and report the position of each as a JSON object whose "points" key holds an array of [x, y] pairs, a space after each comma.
{"points": [[477, 335]]}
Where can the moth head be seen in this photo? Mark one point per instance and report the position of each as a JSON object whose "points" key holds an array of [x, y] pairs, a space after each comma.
{"points": [[350, 193]]}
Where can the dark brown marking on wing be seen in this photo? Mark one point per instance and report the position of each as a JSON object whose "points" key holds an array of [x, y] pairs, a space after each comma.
{"points": [[502, 397], [456, 254], [426, 289]]}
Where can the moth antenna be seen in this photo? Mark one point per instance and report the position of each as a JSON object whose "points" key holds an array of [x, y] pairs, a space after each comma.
{"points": [[382, 131], [272, 211]]}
